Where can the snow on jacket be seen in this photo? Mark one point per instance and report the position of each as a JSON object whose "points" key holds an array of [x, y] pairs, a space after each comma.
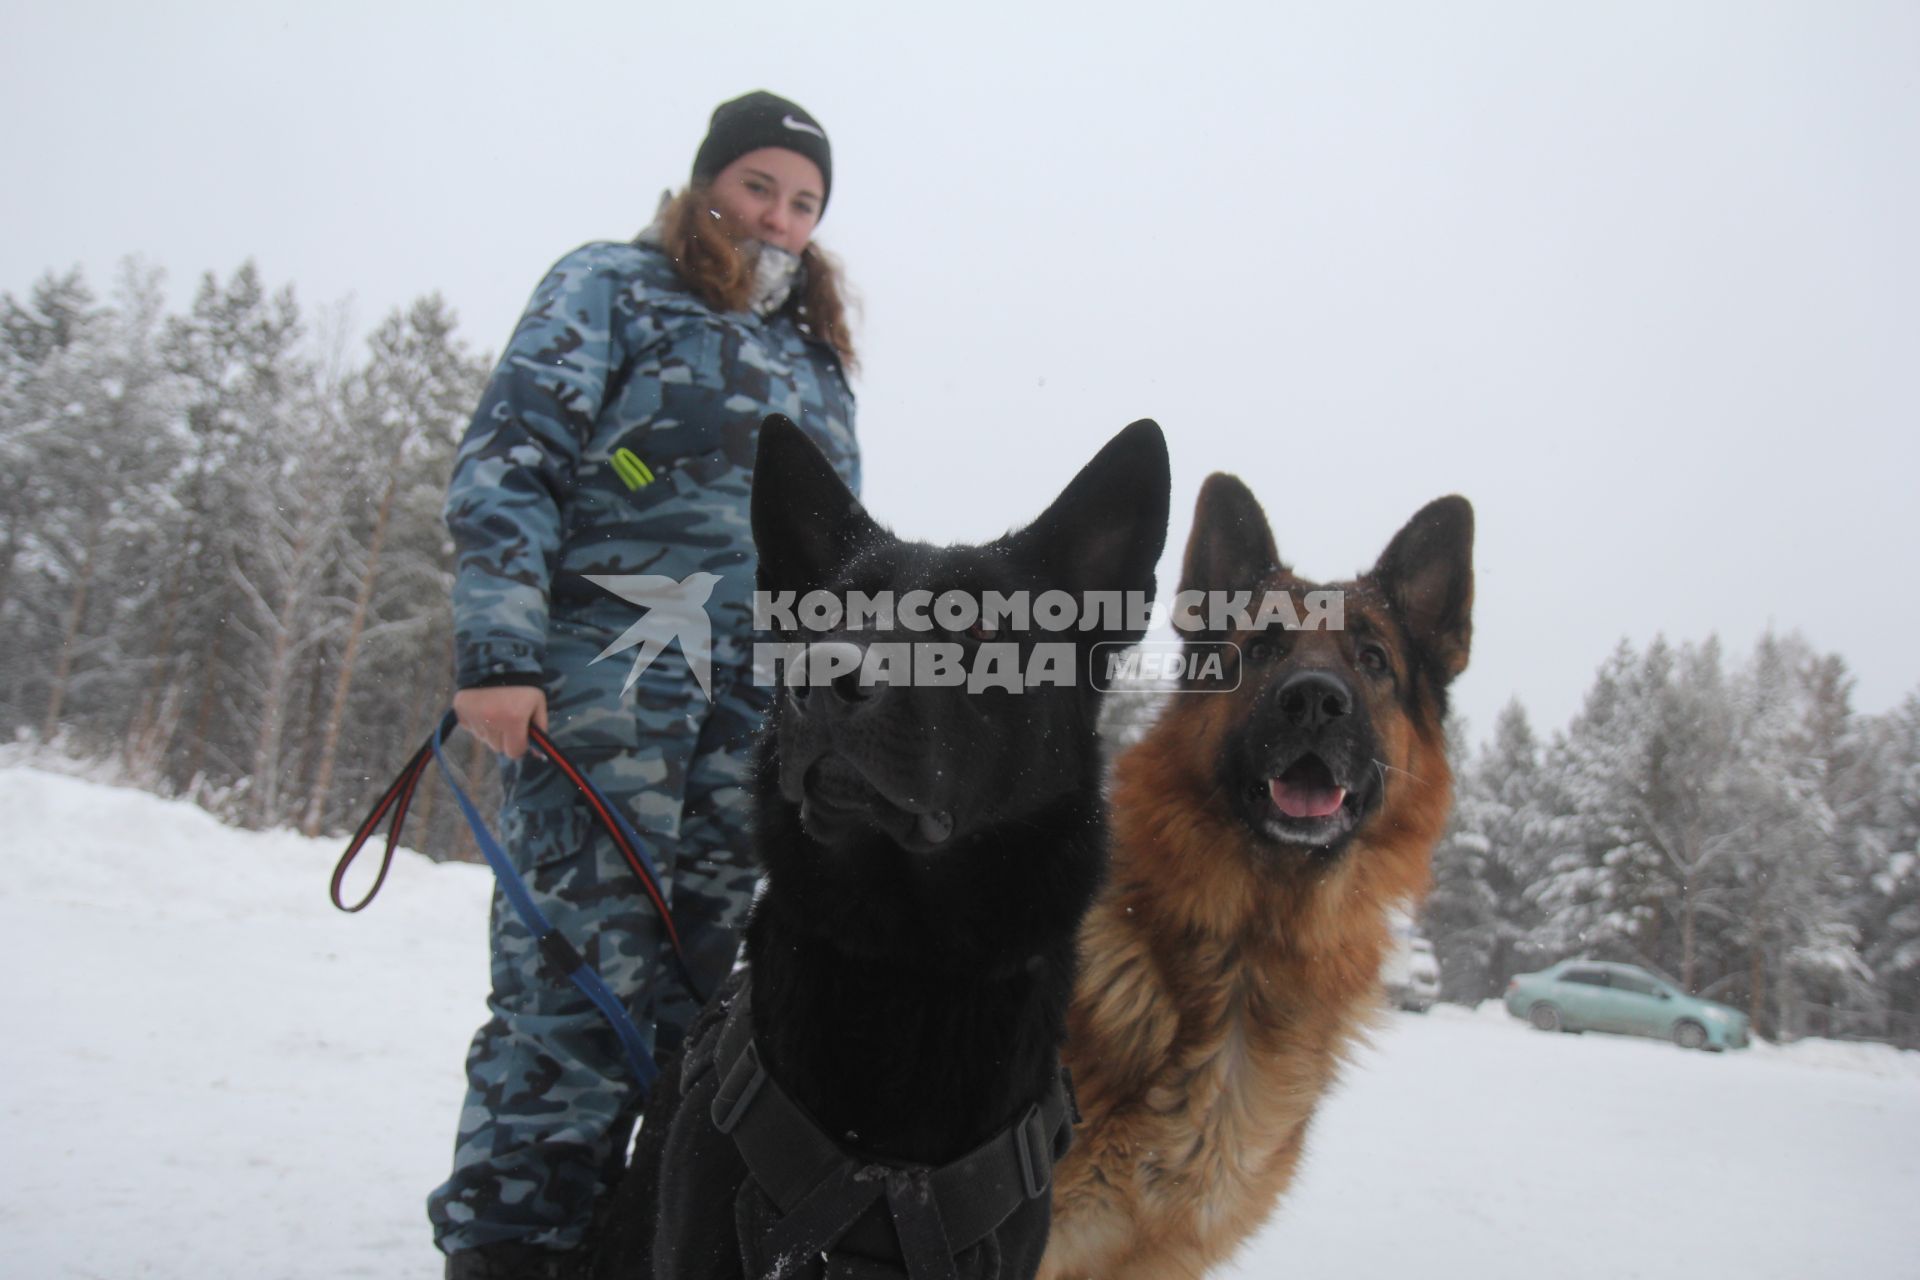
{"points": [[617, 436]]}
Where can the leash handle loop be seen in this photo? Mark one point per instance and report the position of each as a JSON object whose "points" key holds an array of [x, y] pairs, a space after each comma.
{"points": [[397, 799]]}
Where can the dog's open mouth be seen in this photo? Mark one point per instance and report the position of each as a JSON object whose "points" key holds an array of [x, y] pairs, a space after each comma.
{"points": [[838, 795], [1308, 804], [1307, 789]]}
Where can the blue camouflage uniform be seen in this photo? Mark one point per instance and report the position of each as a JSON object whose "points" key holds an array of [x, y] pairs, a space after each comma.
{"points": [[614, 362]]}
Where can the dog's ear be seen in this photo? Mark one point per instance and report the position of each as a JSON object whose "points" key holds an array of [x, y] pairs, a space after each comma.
{"points": [[1105, 531], [1231, 547], [806, 522], [1427, 575]]}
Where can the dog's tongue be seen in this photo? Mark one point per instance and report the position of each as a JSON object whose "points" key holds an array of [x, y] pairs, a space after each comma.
{"points": [[1298, 800]]}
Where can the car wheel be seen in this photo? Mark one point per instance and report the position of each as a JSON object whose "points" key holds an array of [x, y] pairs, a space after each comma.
{"points": [[1545, 1017], [1690, 1035]]}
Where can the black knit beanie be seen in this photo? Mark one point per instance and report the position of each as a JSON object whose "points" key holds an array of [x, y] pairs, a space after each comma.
{"points": [[761, 119]]}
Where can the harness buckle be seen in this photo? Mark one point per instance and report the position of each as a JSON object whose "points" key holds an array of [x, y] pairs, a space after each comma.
{"points": [[738, 1090], [1030, 1139]]}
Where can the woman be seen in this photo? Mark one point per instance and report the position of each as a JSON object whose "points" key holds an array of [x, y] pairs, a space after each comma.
{"points": [[617, 438]]}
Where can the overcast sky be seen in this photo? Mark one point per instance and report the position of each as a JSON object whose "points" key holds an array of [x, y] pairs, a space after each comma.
{"points": [[1641, 280]]}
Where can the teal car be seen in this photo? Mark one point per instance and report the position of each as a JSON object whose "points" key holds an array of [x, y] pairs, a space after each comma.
{"points": [[1596, 995]]}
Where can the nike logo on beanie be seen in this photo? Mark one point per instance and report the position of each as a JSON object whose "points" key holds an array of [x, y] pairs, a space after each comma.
{"points": [[761, 119]]}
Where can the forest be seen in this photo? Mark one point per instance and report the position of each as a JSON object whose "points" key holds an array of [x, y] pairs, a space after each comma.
{"points": [[224, 576]]}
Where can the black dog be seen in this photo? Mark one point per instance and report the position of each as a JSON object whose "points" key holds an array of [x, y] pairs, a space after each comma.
{"points": [[878, 1092]]}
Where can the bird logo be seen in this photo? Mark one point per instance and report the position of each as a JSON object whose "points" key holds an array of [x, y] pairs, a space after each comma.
{"points": [[673, 610]]}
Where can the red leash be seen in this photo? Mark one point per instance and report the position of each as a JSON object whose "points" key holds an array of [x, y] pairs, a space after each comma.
{"points": [[398, 798]]}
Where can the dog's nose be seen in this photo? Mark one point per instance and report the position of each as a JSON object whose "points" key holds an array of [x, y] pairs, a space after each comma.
{"points": [[828, 667], [848, 688], [1314, 699]]}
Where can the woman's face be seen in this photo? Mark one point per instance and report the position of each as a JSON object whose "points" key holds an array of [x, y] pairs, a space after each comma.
{"points": [[774, 194]]}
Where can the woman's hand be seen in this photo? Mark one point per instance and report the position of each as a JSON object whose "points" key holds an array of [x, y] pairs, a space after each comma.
{"points": [[499, 714]]}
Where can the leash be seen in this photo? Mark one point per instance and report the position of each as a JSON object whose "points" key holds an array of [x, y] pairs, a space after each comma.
{"points": [[392, 806]]}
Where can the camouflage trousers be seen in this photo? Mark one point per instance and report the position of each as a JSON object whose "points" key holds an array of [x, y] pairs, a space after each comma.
{"points": [[546, 1078]]}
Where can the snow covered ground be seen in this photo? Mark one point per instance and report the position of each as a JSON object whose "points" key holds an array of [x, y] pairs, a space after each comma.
{"points": [[210, 1073]]}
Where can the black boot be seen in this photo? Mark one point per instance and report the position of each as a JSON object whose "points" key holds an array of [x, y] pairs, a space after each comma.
{"points": [[515, 1261]]}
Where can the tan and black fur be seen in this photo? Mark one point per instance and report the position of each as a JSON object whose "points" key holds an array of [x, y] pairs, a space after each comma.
{"points": [[1232, 961]]}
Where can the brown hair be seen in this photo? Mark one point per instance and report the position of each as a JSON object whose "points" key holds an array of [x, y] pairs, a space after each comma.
{"points": [[711, 265]]}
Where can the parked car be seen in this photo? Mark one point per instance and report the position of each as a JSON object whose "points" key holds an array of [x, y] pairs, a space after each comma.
{"points": [[1411, 972], [1594, 995]]}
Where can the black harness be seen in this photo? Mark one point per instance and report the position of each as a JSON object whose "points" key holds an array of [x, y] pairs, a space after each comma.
{"points": [[814, 1198]]}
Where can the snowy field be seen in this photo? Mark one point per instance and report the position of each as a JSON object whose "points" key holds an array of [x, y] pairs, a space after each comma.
{"points": [[210, 1073]]}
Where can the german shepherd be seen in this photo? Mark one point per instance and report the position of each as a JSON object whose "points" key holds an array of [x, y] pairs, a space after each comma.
{"points": [[929, 853], [1260, 836]]}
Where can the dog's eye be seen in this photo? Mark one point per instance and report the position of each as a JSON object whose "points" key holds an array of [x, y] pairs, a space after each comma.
{"points": [[1262, 649], [1374, 659]]}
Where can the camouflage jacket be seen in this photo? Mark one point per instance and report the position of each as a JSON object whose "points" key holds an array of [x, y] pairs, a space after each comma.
{"points": [[617, 436]]}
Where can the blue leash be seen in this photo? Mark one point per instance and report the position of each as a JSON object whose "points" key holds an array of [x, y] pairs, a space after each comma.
{"points": [[555, 948]]}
